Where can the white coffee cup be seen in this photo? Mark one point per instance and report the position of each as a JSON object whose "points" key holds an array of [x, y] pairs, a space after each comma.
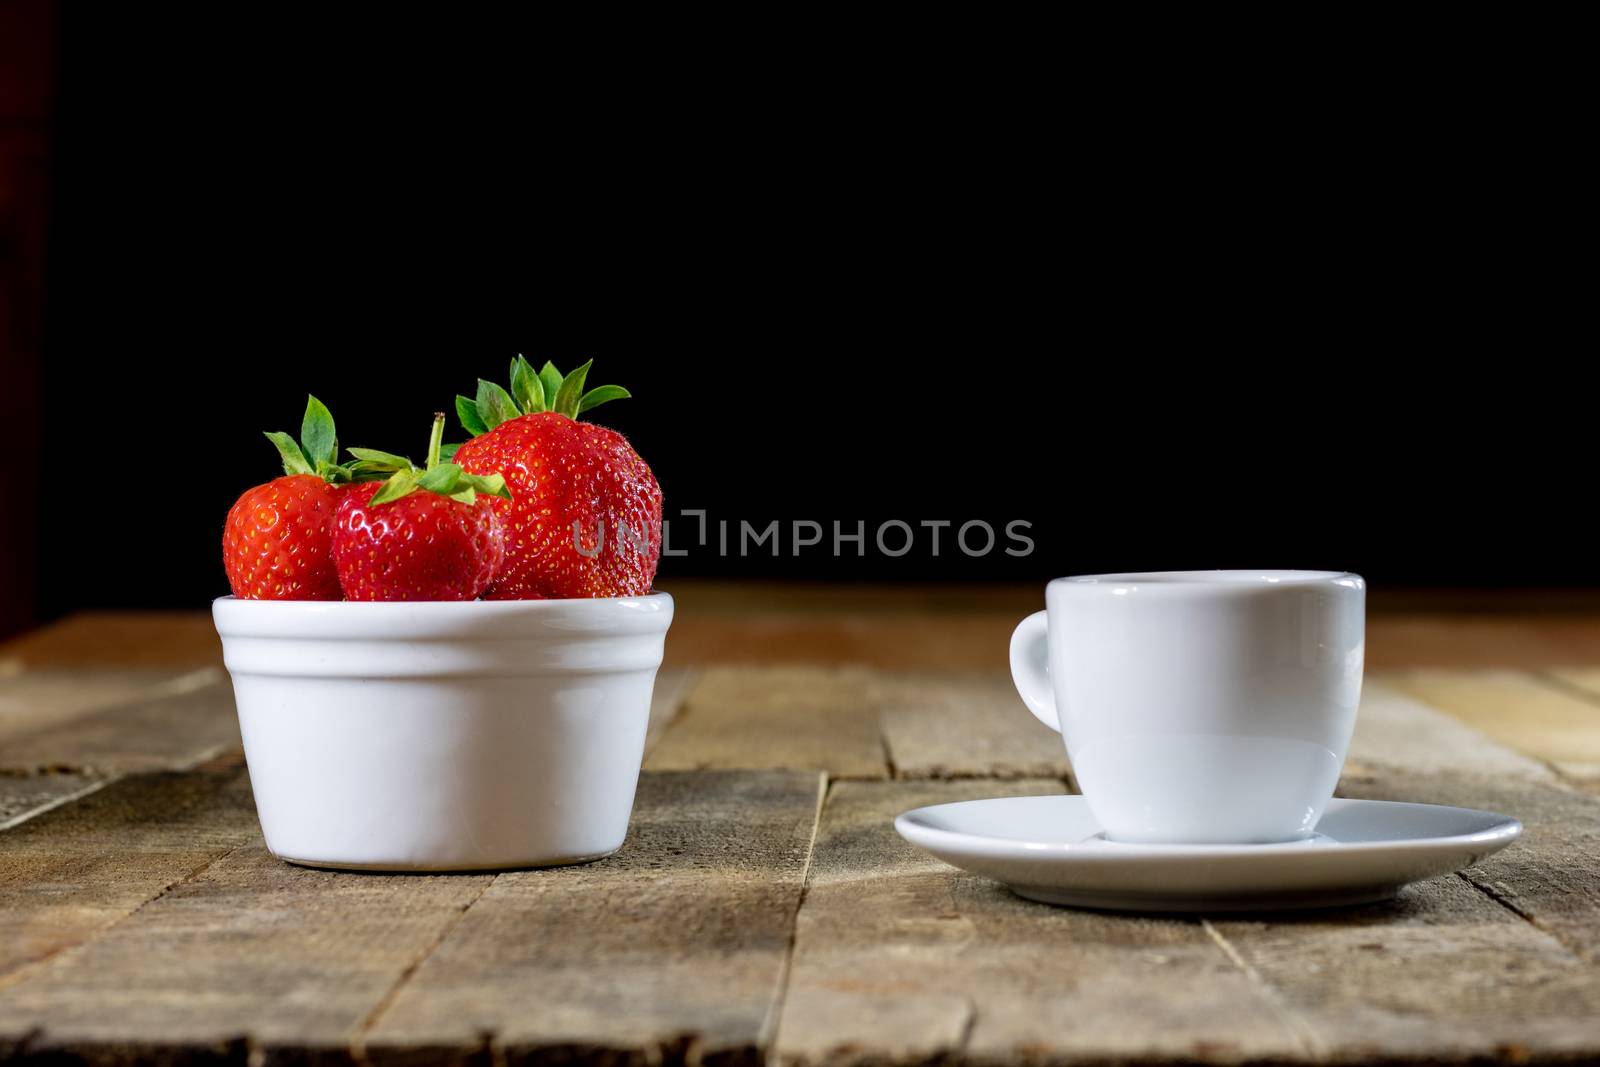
{"points": [[1199, 707]]}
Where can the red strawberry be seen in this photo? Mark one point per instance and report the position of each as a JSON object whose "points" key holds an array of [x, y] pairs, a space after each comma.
{"points": [[277, 543], [585, 516], [421, 535]]}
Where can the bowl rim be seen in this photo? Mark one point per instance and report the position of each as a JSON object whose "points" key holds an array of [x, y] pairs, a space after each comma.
{"points": [[442, 620], [442, 606]]}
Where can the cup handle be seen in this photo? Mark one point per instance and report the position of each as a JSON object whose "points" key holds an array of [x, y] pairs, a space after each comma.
{"points": [[1030, 668]]}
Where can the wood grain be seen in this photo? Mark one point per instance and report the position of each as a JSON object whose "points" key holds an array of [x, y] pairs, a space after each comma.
{"points": [[1518, 709], [966, 724], [1443, 973], [666, 700], [901, 959], [1550, 876], [890, 628], [176, 640], [886, 641], [1584, 683], [26, 794], [676, 943], [250, 951], [1499, 962], [773, 717], [674, 948], [1528, 640], [175, 729], [35, 700], [1397, 732], [62, 746], [140, 919], [73, 872]]}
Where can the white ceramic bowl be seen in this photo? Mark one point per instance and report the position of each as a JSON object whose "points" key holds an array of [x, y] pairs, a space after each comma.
{"points": [[443, 736]]}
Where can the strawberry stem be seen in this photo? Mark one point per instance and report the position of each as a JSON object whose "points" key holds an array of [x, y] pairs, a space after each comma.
{"points": [[440, 478], [436, 440]]}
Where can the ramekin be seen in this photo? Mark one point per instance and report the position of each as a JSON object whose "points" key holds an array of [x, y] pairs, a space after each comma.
{"points": [[443, 736]]}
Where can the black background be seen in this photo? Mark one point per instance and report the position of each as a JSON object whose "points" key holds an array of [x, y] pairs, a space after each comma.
{"points": [[1321, 330]]}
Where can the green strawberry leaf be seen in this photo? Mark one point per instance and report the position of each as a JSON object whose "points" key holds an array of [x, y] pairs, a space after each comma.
{"points": [[400, 484], [600, 395], [571, 392], [467, 412], [333, 473], [442, 476], [373, 459], [495, 404], [488, 484], [316, 432], [441, 479], [550, 378], [526, 388], [294, 460]]}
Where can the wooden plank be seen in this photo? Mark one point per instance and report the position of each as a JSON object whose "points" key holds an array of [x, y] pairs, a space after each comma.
{"points": [[901, 959], [1408, 978], [35, 700], [26, 794], [1551, 876], [885, 640], [1498, 963], [920, 629], [671, 689], [70, 873], [77, 745], [173, 730], [672, 949], [1444, 973], [1407, 750], [964, 725], [251, 951], [678, 942], [1475, 640], [1518, 709], [177, 640], [1396, 732], [774, 717], [1583, 683], [709, 598]]}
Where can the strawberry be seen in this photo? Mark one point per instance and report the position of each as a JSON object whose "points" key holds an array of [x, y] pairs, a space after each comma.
{"points": [[585, 517], [277, 543], [421, 535]]}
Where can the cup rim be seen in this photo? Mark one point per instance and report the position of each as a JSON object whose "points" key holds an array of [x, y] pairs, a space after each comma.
{"points": [[1217, 581]]}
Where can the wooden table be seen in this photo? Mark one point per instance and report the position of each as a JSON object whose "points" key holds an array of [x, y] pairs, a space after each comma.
{"points": [[763, 906]]}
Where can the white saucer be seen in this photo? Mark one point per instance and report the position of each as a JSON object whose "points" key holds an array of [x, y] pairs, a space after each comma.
{"points": [[1052, 849]]}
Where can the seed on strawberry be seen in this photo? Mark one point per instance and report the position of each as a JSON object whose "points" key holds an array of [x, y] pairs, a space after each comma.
{"points": [[423, 534], [585, 520], [277, 542]]}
